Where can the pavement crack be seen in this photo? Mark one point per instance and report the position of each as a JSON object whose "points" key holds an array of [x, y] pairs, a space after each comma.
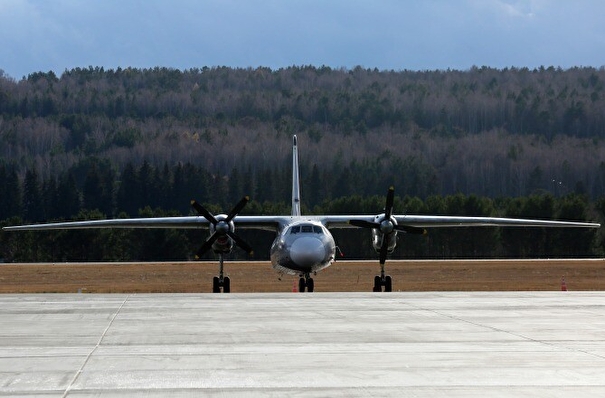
{"points": [[79, 372], [518, 335]]}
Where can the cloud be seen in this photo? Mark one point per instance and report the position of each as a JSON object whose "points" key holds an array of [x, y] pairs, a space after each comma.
{"points": [[37, 35]]}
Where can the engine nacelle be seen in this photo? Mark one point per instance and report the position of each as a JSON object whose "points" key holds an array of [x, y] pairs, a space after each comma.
{"points": [[223, 243], [377, 240], [386, 230]]}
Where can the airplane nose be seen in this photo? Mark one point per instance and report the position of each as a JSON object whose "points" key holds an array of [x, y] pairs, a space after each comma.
{"points": [[307, 251]]}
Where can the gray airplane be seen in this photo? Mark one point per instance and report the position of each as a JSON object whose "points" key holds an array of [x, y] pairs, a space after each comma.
{"points": [[303, 244]]}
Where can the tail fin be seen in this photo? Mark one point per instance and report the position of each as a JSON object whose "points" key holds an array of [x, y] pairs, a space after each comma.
{"points": [[295, 180]]}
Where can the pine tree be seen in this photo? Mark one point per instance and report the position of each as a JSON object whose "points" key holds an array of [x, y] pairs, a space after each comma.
{"points": [[10, 198], [129, 193], [68, 196], [93, 191], [33, 209]]}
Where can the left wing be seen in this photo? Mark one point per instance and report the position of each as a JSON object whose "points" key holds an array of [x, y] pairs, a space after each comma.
{"points": [[423, 221]]}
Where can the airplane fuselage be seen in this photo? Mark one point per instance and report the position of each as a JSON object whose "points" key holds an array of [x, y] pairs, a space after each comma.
{"points": [[303, 247]]}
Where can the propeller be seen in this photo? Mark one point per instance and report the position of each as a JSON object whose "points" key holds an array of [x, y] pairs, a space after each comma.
{"points": [[222, 227], [386, 226]]}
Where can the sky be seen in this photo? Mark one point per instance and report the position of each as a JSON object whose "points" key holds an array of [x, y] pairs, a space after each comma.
{"points": [[59, 35]]}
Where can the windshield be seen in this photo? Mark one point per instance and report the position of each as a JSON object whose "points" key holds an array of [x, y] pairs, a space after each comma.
{"points": [[306, 228]]}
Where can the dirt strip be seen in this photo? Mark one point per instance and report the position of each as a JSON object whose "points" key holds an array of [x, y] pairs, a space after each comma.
{"points": [[350, 276]]}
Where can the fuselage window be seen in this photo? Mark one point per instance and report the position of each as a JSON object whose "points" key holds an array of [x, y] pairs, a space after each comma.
{"points": [[317, 230], [295, 230]]}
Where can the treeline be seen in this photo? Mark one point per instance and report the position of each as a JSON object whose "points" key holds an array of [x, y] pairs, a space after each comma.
{"points": [[112, 143], [545, 101], [92, 190], [490, 132], [94, 184]]}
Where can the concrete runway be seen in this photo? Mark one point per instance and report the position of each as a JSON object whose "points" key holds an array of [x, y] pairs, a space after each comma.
{"points": [[314, 345]]}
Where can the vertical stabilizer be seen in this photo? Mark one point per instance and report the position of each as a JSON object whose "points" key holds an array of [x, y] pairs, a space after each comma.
{"points": [[295, 179]]}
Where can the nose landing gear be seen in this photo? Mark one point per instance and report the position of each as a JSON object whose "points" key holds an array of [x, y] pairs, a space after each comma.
{"points": [[305, 283]]}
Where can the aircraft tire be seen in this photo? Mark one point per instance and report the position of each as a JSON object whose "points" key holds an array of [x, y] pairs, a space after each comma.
{"points": [[388, 284], [226, 285], [310, 285], [377, 284], [216, 288], [302, 285]]}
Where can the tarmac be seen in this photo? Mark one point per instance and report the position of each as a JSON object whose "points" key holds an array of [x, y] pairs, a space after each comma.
{"points": [[429, 344]]}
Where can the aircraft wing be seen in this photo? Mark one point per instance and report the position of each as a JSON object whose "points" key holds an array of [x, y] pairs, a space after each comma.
{"points": [[455, 221], [271, 223], [275, 223]]}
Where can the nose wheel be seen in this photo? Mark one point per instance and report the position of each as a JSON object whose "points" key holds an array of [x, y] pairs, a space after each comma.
{"points": [[306, 283]]}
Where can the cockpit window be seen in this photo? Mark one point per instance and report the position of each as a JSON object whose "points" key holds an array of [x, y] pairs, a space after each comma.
{"points": [[307, 228]]}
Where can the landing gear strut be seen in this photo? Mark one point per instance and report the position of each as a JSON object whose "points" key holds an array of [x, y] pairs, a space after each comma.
{"points": [[306, 284], [381, 281], [221, 281]]}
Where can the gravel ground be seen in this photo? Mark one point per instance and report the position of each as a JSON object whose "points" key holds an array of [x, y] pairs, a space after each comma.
{"points": [[343, 276]]}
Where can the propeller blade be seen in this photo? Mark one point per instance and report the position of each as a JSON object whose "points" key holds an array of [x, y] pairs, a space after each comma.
{"points": [[203, 212], [238, 207], [241, 243], [222, 227], [389, 206], [207, 245], [364, 224], [411, 230]]}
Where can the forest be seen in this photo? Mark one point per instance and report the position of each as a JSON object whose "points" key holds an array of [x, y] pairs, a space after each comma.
{"points": [[96, 143]]}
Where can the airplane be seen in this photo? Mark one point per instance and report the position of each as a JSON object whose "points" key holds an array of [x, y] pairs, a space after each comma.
{"points": [[303, 245]]}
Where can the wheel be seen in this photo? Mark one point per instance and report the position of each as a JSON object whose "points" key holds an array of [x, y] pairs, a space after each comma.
{"points": [[310, 285], [216, 286], [388, 284], [302, 285], [377, 284], [226, 285]]}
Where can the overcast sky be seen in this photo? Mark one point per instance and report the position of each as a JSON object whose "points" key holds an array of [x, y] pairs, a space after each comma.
{"points": [[43, 35]]}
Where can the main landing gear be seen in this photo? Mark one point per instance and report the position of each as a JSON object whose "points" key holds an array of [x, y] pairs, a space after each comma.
{"points": [[381, 281], [221, 281], [221, 240], [305, 283], [218, 284], [385, 226]]}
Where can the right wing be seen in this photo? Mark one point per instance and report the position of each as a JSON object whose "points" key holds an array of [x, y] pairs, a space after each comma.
{"points": [[271, 223]]}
